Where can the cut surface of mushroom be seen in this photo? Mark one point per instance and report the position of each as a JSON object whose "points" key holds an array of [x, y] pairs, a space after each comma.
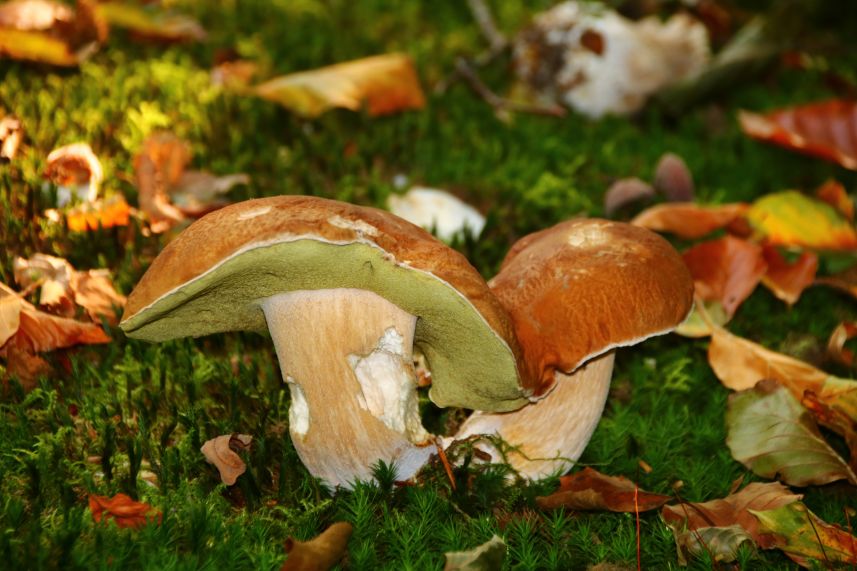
{"points": [[346, 354]]}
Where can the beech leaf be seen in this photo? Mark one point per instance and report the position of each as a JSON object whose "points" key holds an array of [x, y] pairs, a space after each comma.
{"points": [[320, 553], [806, 539], [85, 217], [123, 510], [726, 270], [384, 84], [486, 557], [826, 130], [721, 543], [833, 193], [151, 23], [35, 47], [790, 218], [771, 433], [218, 451], [702, 317], [836, 344], [785, 279], [592, 490], [199, 192], [690, 221]]}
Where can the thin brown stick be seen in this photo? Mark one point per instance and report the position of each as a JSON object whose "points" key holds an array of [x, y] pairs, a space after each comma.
{"points": [[445, 461], [468, 74], [497, 41]]}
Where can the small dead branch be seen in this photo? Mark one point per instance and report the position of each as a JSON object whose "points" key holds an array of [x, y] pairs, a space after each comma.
{"points": [[465, 71]]}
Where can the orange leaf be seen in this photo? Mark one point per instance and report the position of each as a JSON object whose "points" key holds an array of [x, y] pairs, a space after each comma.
{"points": [[384, 84], [788, 280], [726, 270], [592, 490], [833, 193], [123, 510], [827, 130], [690, 221], [218, 451], [100, 214]]}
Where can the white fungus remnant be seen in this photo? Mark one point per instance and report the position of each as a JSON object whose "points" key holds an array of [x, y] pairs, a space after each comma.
{"points": [[358, 226], [589, 236], [388, 387], [256, 212], [437, 210], [298, 411]]}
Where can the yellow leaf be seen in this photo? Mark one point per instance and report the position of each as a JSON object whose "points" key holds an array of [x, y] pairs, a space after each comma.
{"points": [[150, 23], [385, 84], [35, 46], [790, 218]]}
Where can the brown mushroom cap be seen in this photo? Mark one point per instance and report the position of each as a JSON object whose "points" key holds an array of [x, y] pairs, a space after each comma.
{"points": [[211, 278], [585, 286]]}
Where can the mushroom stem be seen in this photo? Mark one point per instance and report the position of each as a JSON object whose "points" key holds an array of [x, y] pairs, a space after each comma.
{"points": [[549, 435], [346, 355]]}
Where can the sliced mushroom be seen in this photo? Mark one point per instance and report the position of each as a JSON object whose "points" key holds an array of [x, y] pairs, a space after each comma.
{"points": [[575, 292], [345, 292]]}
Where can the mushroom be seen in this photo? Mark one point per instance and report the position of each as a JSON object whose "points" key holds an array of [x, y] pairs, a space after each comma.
{"points": [[575, 292], [346, 293]]}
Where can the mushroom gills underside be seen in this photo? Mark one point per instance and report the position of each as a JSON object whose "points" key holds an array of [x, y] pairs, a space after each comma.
{"points": [[548, 436], [346, 355]]}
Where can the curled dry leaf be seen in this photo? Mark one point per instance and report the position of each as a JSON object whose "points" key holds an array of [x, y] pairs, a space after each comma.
{"points": [[150, 23], [806, 539], [219, 451], [720, 526], [123, 510], [833, 193], [785, 279], [836, 344], [673, 179], [76, 171], [437, 210], [11, 132], [790, 218], [198, 192], [384, 84], [690, 221], [626, 191], [320, 553], [592, 490], [726, 270], [771, 433], [827, 130], [487, 557]]}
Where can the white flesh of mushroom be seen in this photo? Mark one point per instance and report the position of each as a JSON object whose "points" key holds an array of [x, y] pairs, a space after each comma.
{"points": [[549, 435], [346, 356]]}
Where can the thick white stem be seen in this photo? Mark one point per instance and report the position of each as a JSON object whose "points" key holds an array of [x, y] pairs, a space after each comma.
{"points": [[548, 436], [346, 356]]}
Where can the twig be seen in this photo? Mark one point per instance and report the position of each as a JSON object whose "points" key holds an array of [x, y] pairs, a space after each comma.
{"points": [[445, 461], [637, 516], [497, 41], [467, 73], [827, 562]]}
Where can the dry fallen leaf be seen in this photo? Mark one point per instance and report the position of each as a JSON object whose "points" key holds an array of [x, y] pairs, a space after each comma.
{"points": [[624, 192], [703, 316], [771, 433], [711, 525], [785, 279], [688, 220], [806, 539], [845, 281], [86, 217], [827, 130], [36, 47], [11, 132], [486, 557], [320, 553], [836, 344], [591, 490], [123, 510], [218, 451], [726, 270], [384, 84], [833, 193], [34, 15], [673, 179], [199, 192], [790, 218], [150, 23]]}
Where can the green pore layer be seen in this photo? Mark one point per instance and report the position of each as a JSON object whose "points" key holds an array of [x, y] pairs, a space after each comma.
{"points": [[471, 366]]}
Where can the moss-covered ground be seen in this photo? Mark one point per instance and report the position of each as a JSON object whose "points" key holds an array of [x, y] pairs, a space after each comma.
{"points": [[138, 406]]}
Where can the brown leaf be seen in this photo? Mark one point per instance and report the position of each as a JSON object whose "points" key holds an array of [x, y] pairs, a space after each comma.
{"points": [[94, 292], [689, 521], [157, 167], [384, 84], [150, 23], [833, 193], [486, 557], [626, 191], [199, 192], [835, 420], [10, 314], [11, 132], [787, 280], [673, 179], [320, 553], [123, 510], [826, 130], [726, 270], [592, 490], [836, 344], [237, 73], [218, 451], [23, 365], [845, 281], [34, 15], [688, 220]]}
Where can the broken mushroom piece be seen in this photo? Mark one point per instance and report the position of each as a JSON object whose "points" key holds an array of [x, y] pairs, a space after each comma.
{"points": [[575, 292], [345, 292]]}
